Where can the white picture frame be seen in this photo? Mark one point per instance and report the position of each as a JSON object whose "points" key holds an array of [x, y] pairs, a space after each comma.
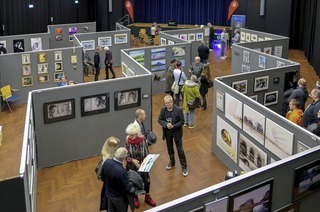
{"points": [[104, 41], [246, 56], [233, 110], [262, 61], [220, 100], [241, 86], [199, 36], [271, 98], [57, 55], [88, 45], [245, 68], [261, 83], [254, 123], [191, 37], [120, 38]]}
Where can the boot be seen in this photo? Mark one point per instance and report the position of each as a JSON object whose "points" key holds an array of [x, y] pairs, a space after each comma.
{"points": [[149, 200]]}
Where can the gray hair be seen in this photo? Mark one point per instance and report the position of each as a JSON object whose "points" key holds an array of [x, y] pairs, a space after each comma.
{"points": [[121, 153], [193, 78]]}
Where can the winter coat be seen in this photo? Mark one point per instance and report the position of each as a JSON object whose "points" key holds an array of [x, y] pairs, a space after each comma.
{"points": [[190, 91]]}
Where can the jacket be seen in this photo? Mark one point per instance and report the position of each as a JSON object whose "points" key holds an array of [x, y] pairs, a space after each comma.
{"points": [[295, 116], [96, 59], [190, 91], [301, 94], [169, 79], [177, 122]]}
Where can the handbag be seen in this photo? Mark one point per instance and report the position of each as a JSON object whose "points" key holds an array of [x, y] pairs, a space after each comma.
{"points": [[210, 83], [175, 87], [98, 169], [193, 104]]}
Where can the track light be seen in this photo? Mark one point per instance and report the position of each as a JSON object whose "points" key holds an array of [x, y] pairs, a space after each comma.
{"points": [[30, 5], [76, 1]]}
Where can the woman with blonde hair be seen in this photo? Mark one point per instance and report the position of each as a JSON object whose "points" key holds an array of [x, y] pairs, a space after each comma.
{"points": [[204, 85]]}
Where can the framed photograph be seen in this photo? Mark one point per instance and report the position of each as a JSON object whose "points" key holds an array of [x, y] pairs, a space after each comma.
{"points": [[278, 51], [57, 55], [242, 36], [58, 66], [95, 104], [178, 51], [254, 123], [18, 45], [255, 198], [233, 110], [270, 98], [138, 55], [261, 83], [36, 44], [163, 41], [57, 76], [254, 97], [248, 37], [3, 47], [157, 54], [301, 147], [280, 64], [220, 100], [120, 38], [27, 81], [191, 37], [42, 57], [246, 56], [183, 37], [26, 70], [43, 78], [199, 36], [254, 37], [71, 38], [104, 41], [158, 65], [267, 38], [58, 37], [245, 68], [25, 59], [88, 44], [124, 68], [58, 111], [73, 59], [127, 99], [293, 207], [58, 31], [43, 68], [260, 39], [267, 50], [170, 42], [262, 61], [73, 30], [219, 205], [240, 86], [206, 31], [306, 180]]}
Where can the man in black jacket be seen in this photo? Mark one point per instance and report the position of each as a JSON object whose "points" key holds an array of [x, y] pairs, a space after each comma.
{"points": [[211, 36], [203, 52], [97, 62]]}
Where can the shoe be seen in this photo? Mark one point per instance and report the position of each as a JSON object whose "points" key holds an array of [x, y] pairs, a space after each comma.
{"points": [[192, 126], [149, 200], [185, 125], [88, 75], [185, 172], [222, 58], [170, 165], [203, 108], [136, 202]]}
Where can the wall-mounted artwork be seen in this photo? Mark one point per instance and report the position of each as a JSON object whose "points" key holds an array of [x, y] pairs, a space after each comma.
{"points": [[271, 98], [261, 83], [262, 61], [71, 38], [57, 76], [301, 147], [18, 45], [42, 57], [267, 38], [251, 156], [74, 59], [73, 30], [278, 140], [163, 41], [233, 110], [178, 51], [27, 81], [25, 59], [43, 78], [57, 55], [220, 100], [242, 36], [254, 123], [36, 44], [58, 37], [137, 55], [26, 70], [120, 38], [245, 68], [206, 31], [267, 50], [254, 37], [260, 39], [248, 37], [58, 31], [219, 205], [170, 42], [191, 37], [59, 111], [240, 86], [95, 104], [157, 54], [88, 44], [246, 56], [104, 41], [127, 99], [280, 64], [43, 68], [256, 198], [3, 47], [158, 65], [199, 36], [124, 68], [183, 37], [58, 66], [278, 51]]}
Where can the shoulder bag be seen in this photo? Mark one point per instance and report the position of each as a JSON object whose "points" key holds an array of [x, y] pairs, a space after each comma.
{"points": [[195, 103], [210, 83], [175, 87], [98, 169]]}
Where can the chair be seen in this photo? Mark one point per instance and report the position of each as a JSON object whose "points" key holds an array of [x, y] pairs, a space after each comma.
{"points": [[142, 32], [147, 40], [156, 40], [8, 97], [133, 39]]}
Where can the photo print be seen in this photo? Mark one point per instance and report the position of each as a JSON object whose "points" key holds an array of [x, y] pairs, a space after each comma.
{"points": [[42, 57], [43, 68], [245, 68], [178, 51], [240, 86], [163, 41], [120, 38], [246, 56], [88, 44], [218, 205], [267, 50], [301, 147], [280, 64], [57, 76], [170, 42], [57, 55], [27, 81], [262, 61], [183, 37], [59, 111], [73, 30], [36, 44], [254, 124], [233, 110], [26, 70], [58, 31], [159, 76], [58, 37], [18, 45], [124, 68], [254, 37], [158, 65], [271, 98], [278, 51], [43, 78], [242, 36], [261, 83], [137, 55], [71, 38], [104, 41], [127, 99], [199, 36], [248, 37], [25, 58], [157, 54], [191, 37], [95, 104], [58, 66], [220, 100], [3, 47], [254, 97]]}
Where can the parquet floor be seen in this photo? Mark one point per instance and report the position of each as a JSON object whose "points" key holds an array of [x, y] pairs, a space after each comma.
{"points": [[73, 186]]}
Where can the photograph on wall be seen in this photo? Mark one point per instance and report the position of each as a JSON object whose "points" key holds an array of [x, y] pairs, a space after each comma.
{"points": [[183, 37], [157, 54], [246, 56], [178, 51], [199, 36], [280, 64], [95, 104], [227, 138], [120, 38], [262, 61], [255, 198], [163, 41], [267, 50], [245, 68], [104, 41], [192, 37], [278, 140], [242, 36], [254, 123], [248, 37], [254, 37], [301, 147], [36, 44], [170, 42], [124, 68], [220, 100], [292, 207], [137, 55], [251, 157], [18, 45], [59, 111], [57, 76], [25, 59], [206, 31], [3, 47], [26, 70], [306, 179], [261, 83], [267, 38], [258, 49], [74, 59], [27, 81], [58, 66], [88, 45], [130, 72], [58, 37], [159, 76], [158, 65], [43, 68], [58, 31], [71, 38], [278, 51], [73, 30], [233, 110], [182, 60], [270, 98], [43, 78], [218, 205], [240, 86], [42, 57], [57, 55], [260, 39], [127, 99], [254, 97]]}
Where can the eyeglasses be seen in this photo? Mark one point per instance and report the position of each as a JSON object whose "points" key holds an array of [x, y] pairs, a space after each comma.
{"points": [[168, 102]]}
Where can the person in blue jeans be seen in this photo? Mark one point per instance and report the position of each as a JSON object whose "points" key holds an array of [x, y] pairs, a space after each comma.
{"points": [[179, 78], [224, 39], [97, 62]]}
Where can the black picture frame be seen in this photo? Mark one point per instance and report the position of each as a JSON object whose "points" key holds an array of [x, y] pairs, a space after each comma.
{"points": [[95, 104], [259, 195], [306, 180], [293, 207], [58, 111], [127, 99], [220, 205]]}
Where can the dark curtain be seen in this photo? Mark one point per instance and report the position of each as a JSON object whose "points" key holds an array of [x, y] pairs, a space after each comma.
{"points": [[183, 11]]}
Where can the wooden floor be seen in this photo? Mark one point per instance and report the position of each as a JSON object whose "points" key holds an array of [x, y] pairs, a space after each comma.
{"points": [[74, 187]]}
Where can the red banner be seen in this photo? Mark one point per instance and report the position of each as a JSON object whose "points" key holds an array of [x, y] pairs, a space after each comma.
{"points": [[129, 7], [232, 8]]}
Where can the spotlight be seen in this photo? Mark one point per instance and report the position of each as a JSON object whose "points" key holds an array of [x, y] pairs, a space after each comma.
{"points": [[76, 1], [30, 5]]}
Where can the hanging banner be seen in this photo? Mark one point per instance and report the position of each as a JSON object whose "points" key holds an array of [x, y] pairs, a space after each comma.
{"points": [[232, 8], [129, 7]]}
